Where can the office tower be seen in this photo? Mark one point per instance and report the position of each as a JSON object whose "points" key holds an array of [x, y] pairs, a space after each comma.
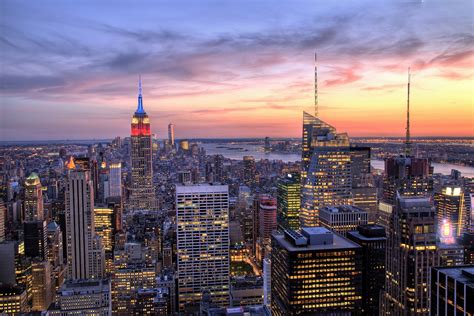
{"points": [[342, 219], [326, 169], [267, 281], [267, 211], [171, 134], [449, 255], [104, 226], [202, 220], [55, 244], [131, 273], [289, 201], [468, 243], [33, 198], [411, 252], [450, 209], [8, 258], [373, 241], [84, 251], [13, 300], [3, 211], [103, 184], [364, 191], [83, 297], [452, 290], [115, 180], [41, 287], [142, 189], [249, 171], [407, 175], [36, 239], [315, 272]]}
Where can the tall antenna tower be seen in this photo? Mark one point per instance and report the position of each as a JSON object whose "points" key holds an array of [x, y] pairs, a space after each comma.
{"points": [[316, 110], [407, 136]]}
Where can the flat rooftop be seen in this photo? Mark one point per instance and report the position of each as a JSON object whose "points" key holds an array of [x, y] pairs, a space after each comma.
{"points": [[202, 188], [339, 242], [464, 274], [342, 209]]}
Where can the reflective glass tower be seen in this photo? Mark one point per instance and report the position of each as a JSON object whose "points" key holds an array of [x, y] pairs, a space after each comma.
{"points": [[326, 169], [142, 190]]}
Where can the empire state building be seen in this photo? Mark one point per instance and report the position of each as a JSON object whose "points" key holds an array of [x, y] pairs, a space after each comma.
{"points": [[142, 191]]}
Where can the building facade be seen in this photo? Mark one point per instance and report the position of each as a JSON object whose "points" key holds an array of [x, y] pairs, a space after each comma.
{"points": [[142, 192], [326, 169], [202, 219], [315, 272], [342, 219]]}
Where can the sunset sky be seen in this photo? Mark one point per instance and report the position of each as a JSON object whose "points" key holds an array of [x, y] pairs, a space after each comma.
{"points": [[234, 68]]}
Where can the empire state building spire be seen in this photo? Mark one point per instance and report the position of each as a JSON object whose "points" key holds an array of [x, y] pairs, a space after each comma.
{"points": [[140, 109], [407, 136]]}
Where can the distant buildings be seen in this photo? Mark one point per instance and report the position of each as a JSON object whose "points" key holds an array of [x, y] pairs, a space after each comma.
{"points": [[315, 272], [202, 219], [326, 169], [171, 134], [249, 171], [452, 290], [142, 190]]}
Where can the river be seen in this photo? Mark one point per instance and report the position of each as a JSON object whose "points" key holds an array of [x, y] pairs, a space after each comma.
{"points": [[238, 150]]}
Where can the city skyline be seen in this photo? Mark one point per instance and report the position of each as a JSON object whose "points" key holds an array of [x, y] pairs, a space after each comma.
{"points": [[81, 83]]}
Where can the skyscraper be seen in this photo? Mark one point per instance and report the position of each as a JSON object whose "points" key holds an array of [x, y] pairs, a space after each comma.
{"points": [[250, 171], [142, 190], [452, 290], [315, 272], [202, 220], [33, 198], [171, 134], [326, 169], [450, 209], [289, 201], [115, 180], [85, 255], [411, 252], [373, 241]]}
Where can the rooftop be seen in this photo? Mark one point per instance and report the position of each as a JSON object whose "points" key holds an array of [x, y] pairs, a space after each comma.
{"points": [[342, 209], [464, 274], [201, 188], [313, 234]]}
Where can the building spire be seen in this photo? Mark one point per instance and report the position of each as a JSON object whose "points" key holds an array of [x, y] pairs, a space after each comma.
{"points": [[140, 109], [407, 136], [316, 109]]}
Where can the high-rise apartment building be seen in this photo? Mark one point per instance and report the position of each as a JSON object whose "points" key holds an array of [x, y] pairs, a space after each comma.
{"points": [[450, 209], [202, 220], [326, 169], [411, 252], [373, 241], [315, 272], [142, 191], [85, 254], [289, 201], [33, 198], [267, 216], [342, 219], [452, 291]]}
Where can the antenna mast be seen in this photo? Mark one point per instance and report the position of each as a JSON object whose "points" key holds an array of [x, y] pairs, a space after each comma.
{"points": [[407, 137], [316, 110]]}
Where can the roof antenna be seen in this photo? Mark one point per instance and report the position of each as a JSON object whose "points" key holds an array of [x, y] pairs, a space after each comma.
{"points": [[316, 110], [407, 137], [140, 84]]}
